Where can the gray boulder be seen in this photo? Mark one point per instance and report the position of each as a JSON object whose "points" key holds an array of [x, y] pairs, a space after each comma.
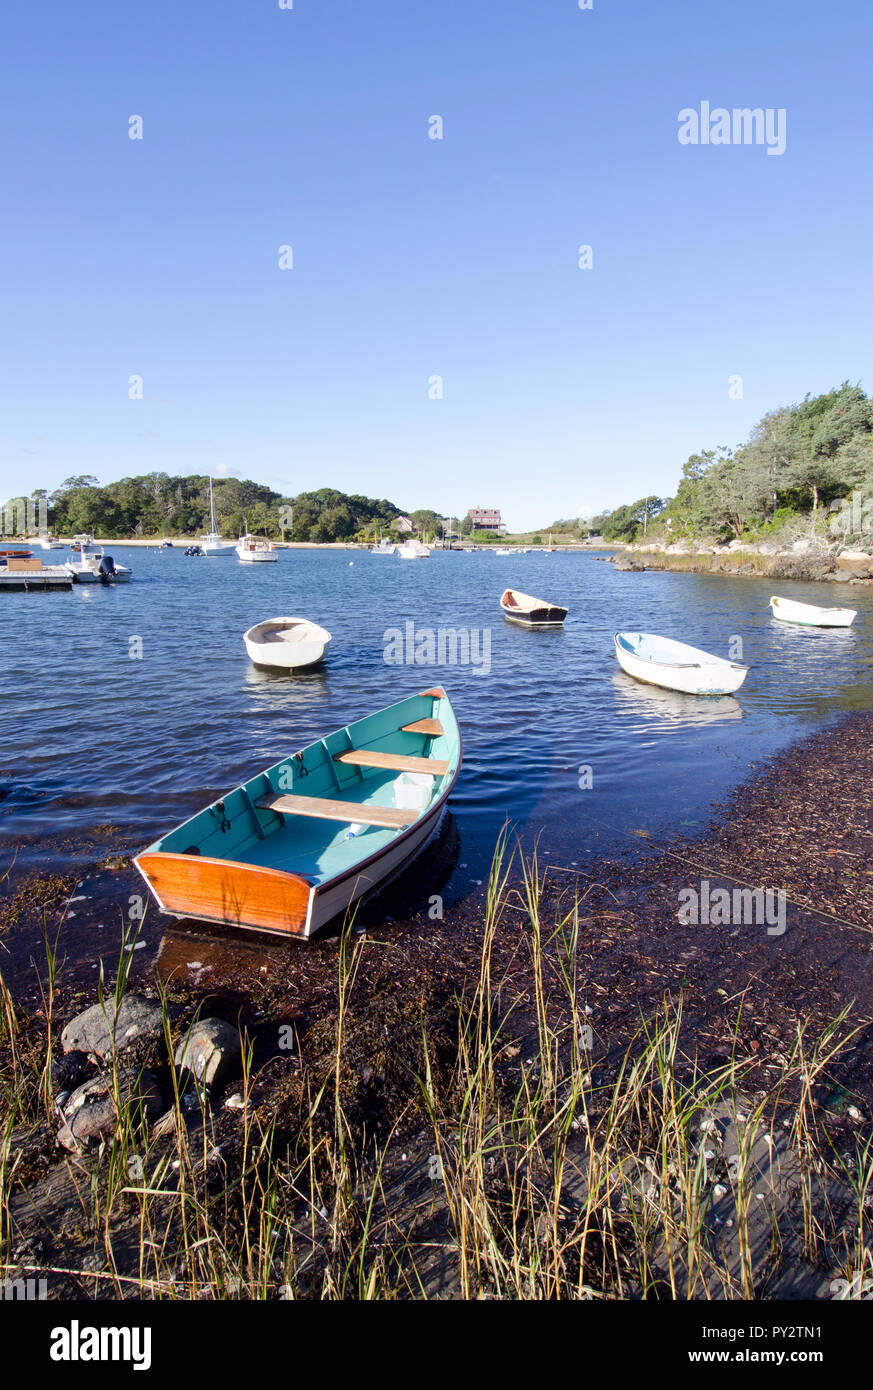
{"points": [[210, 1050], [89, 1113], [98, 1029]]}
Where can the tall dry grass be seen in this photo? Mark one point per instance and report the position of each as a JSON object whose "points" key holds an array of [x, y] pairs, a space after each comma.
{"points": [[548, 1174]]}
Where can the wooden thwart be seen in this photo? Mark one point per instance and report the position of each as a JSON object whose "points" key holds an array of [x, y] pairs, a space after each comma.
{"points": [[397, 762], [324, 808], [432, 727]]}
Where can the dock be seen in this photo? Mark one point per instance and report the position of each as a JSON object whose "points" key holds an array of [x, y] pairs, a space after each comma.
{"points": [[31, 575]]}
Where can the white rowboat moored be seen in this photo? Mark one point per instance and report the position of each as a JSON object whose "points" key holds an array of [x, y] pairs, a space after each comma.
{"points": [[676, 666], [286, 644], [788, 610]]}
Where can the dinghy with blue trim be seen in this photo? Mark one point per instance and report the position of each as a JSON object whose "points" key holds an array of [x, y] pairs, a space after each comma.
{"points": [[676, 666]]}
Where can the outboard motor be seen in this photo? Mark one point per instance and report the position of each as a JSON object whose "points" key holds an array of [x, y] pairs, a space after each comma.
{"points": [[107, 570]]}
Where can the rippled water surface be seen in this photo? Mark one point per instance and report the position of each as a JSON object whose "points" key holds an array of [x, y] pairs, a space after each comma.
{"points": [[92, 737]]}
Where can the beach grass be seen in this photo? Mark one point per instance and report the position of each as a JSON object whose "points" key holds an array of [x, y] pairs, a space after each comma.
{"points": [[522, 1161]]}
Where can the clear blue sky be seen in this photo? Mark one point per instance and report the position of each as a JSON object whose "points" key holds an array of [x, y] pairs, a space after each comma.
{"points": [[564, 389]]}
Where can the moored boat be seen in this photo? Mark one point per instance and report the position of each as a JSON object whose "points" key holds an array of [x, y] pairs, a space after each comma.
{"points": [[385, 547], [789, 610], [254, 550], [97, 569], [85, 570], [85, 544], [413, 550], [286, 644], [530, 611], [677, 666], [302, 841], [211, 544]]}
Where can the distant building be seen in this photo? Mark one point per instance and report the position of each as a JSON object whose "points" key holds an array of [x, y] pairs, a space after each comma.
{"points": [[404, 525], [485, 519]]}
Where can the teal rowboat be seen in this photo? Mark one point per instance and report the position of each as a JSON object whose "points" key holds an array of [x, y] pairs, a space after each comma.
{"points": [[299, 843]]}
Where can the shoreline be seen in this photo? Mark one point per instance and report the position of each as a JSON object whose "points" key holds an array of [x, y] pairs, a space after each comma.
{"points": [[565, 954], [181, 542], [811, 563]]}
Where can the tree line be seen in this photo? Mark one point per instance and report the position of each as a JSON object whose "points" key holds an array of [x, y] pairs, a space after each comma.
{"points": [[155, 504], [800, 461]]}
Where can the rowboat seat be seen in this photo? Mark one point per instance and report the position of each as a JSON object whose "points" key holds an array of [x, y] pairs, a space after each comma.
{"points": [[324, 808], [298, 633], [432, 727], [397, 762]]}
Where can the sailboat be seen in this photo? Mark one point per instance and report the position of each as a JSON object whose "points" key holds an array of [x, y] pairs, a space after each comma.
{"points": [[211, 543]]}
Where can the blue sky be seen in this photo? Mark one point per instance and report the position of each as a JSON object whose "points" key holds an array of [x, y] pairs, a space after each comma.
{"points": [[564, 389]]}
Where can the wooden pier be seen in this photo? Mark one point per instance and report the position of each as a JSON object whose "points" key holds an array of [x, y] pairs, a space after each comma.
{"points": [[32, 576]]}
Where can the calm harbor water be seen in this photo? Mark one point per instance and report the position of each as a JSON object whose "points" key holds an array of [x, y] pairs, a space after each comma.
{"points": [[92, 737]]}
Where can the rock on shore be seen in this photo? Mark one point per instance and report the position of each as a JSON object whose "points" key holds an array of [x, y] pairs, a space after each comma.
{"points": [[100, 1029], [209, 1050], [803, 560]]}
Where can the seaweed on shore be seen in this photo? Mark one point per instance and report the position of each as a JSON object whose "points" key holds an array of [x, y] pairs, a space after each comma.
{"points": [[547, 1096]]}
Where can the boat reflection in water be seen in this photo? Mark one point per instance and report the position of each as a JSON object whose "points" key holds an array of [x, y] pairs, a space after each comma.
{"points": [[261, 680], [653, 702]]}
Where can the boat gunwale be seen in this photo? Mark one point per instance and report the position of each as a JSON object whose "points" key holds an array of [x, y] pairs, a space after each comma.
{"points": [[317, 889], [713, 660], [427, 813], [278, 624]]}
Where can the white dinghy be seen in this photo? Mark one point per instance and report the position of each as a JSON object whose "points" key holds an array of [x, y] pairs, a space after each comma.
{"points": [[676, 666], [788, 610], [286, 644]]}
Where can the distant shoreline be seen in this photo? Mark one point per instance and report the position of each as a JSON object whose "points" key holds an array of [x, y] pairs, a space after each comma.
{"points": [[182, 542]]}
